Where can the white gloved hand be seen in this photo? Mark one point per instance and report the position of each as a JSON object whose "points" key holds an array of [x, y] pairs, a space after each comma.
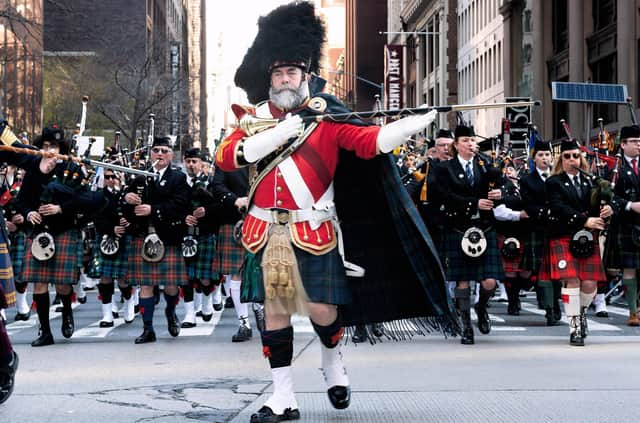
{"points": [[261, 144], [396, 133]]}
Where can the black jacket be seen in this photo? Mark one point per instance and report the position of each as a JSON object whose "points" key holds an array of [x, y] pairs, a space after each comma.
{"points": [[110, 216], [227, 187], [628, 189], [169, 200], [201, 195], [534, 196]]}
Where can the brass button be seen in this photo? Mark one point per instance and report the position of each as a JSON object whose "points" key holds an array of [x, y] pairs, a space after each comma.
{"points": [[279, 203], [279, 189], [279, 174]]}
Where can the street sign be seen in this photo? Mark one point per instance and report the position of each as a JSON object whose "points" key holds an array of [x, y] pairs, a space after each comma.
{"points": [[581, 92]]}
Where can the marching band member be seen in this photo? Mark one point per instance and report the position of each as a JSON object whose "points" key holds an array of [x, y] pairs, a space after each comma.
{"points": [[468, 203], [573, 256], [113, 260], [203, 224], [291, 223], [157, 207], [230, 190], [622, 251]]}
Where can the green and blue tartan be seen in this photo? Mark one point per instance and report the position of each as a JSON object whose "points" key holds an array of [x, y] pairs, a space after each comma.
{"points": [[460, 267], [323, 276], [229, 255], [170, 271], [534, 244], [620, 252], [201, 266], [17, 251], [63, 268], [115, 266]]}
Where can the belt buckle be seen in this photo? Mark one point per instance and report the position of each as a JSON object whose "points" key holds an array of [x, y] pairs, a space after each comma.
{"points": [[280, 216]]}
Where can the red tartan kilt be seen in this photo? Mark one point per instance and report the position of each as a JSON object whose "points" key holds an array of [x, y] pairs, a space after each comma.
{"points": [[510, 265], [62, 268], [559, 264], [169, 271]]}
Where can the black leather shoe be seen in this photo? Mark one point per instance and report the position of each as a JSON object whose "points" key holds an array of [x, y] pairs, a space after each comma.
{"points": [[377, 329], [82, 300], [59, 309], [359, 335], [228, 302], [148, 335], [7, 378], [43, 340], [199, 313], [173, 324], [602, 314], [340, 396], [67, 324], [551, 320], [207, 317], [467, 336], [266, 415], [187, 325], [104, 324], [216, 307], [484, 324], [576, 340], [115, 314], [22, 316], [244, 334], [513, 309]]}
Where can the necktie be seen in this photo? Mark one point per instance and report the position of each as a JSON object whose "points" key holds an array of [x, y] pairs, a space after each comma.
{"points": [[634, 163], [576, 184], [545, 175], [469, 173]]}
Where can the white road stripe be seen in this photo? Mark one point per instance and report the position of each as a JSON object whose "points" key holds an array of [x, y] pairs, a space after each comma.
{"points": [[95, 331], [593, 324], [618, 310], [203, 328], [492, 317], [33, 320]]}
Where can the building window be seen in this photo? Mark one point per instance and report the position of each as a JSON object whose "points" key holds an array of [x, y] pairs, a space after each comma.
{"points": [[560, 28], [438, 39], [603, 13], [605, 71]]}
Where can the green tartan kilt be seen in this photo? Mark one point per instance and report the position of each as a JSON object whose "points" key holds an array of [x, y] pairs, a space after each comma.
{"points": [[323, 277], [460, 267], [201, 266], [63, 268], [17, 251], [534, 243], [170, 271], [114, 266], [229, 255], [620, 252]]}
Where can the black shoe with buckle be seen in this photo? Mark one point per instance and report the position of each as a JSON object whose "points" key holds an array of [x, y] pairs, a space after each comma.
{"points": [[22, 316], [228, 303], [67, 324], [173, 324], [105, 324], [339, 396], [148, 335], [584, 327], [7, 378], [43, 339], [244, 334], [576, 339], [266, 415]]}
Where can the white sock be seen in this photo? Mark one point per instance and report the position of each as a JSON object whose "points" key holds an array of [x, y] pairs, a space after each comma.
{"points": [[283, 396], [197, 300], [586, 298], [335, 373], [21, 303], [242, 309]]}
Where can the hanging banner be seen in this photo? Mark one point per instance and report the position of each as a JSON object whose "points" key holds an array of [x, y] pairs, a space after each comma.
{"points": [[393, 65]]}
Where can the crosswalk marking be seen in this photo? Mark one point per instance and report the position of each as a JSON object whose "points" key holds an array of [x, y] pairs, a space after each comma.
{"points": [[593, 325], [617, 310], [95, 331], [203, 328], [33, 319]]}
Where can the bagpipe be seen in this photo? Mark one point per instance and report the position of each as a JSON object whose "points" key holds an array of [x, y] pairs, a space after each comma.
{"points": [[200, 197]]}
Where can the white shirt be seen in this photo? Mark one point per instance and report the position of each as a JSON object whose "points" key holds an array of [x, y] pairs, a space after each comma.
{"points": [[160, 172], [464, 162], [542, 173]]}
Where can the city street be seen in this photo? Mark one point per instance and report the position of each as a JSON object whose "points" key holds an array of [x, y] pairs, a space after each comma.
{"points": [[523, 371]]}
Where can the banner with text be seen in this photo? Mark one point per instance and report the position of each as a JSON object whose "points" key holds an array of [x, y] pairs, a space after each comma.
{"points": [[393, 57]]}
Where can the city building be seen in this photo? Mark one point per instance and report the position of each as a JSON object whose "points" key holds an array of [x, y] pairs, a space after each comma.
{"points": [[21, 65], [196, 47]]}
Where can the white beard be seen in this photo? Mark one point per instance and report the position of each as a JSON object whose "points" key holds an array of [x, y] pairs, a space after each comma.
{"points": [[289, 98]]}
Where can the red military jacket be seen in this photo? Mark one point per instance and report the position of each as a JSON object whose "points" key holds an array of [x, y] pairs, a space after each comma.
{"points": [[316, 161]]}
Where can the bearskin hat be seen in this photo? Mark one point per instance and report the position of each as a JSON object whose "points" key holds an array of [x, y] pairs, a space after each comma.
{"points": [[289, 35]]}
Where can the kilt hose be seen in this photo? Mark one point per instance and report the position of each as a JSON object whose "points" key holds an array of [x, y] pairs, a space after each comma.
{"points": [[201, 266], [514, 264], [559, 264], [17, 251], [7, 284], [324, 276], [63, 268], [460, 267], [229, 255], [620, 252], [170, 271], [534, 245], [114, 266]]}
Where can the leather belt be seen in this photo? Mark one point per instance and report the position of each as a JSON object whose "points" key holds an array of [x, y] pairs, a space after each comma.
{"points": [[283, 216]]}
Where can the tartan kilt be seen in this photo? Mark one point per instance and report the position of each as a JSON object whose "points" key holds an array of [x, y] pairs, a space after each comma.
{"points": [[620, 252], [324, 277], [201, 266], [558, 255], [7, 284], [114, 266], [229, 255], [17, 251], [510, 265], [63, 268], [170, 271], [534, 245], [460, 267]]}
